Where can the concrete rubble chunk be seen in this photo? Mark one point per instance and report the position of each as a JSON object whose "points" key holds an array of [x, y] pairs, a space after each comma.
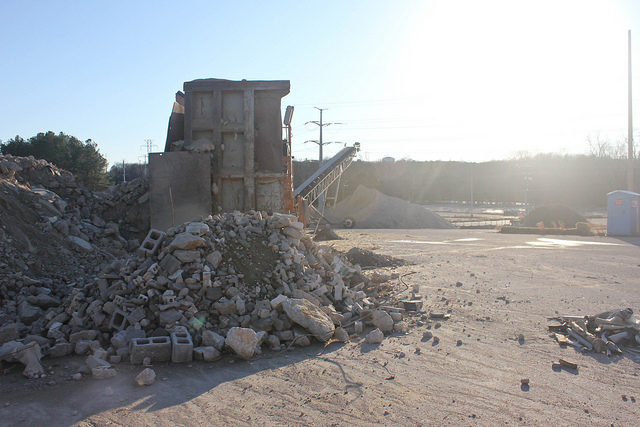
{"points": [[197, 228], [382, 320], [43, 300], [276, 303], [206, 353], [95, 362], [28, 313], [87, 335], [170, 264], [341, 335], [214, 258], [103, 372], [186, 256], [401, 327], [61, 349], [210, 338], [293, 233], [80, 244], [375, 337], [146, 377], [9, 332], [310, 317], [186, 241], [242, 341], [27, 354]]}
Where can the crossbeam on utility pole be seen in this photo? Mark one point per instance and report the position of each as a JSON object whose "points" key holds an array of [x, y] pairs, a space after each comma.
{"points": [[320, 142]]}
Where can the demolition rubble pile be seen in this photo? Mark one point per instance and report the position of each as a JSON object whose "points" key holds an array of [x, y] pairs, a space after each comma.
{"points": [[53, 227], [611, 332], [231, 282], [126, 204]]}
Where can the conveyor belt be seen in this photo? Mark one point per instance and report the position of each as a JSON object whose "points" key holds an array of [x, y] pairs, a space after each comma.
{"points": [[320, 181]]}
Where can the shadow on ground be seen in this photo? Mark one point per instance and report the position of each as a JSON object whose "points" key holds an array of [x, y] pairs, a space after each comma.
{"points": [[24, 402], [632, 240]]}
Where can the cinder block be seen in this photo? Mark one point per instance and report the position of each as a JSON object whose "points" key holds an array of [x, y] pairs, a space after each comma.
{"points": [[151, 243], [156, 348], [118, 320], [412, 305], [182, 346]]}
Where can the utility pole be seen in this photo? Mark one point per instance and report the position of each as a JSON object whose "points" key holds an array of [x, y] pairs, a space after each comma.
{"points": [[148, 147], [630, 178], [320, 142], [124, 172]]}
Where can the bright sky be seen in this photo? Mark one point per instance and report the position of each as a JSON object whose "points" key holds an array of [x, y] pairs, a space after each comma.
{"points": [[426, 80]]}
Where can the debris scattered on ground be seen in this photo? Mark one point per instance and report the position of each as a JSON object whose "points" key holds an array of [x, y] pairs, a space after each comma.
{"points": [[611, 332], [326, 233], [369, 208], [562, 363], [439, 315], [375, 337], [366, 258], [146, 377], [28, 354]]}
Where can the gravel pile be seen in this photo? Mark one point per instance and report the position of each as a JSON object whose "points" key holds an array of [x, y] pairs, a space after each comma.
{"points": [[369, 208]]}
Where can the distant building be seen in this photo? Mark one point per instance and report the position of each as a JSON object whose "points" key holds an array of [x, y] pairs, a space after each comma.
{"points": [[388, 160]]}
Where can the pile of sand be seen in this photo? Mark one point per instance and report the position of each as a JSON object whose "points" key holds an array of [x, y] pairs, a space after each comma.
{"points": [[369, 208]]}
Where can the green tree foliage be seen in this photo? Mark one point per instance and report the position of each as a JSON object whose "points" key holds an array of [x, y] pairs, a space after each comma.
{"points": [[65, 151]]}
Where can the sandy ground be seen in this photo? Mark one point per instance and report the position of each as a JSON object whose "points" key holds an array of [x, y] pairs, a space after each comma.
{"points": [[509, 285]]}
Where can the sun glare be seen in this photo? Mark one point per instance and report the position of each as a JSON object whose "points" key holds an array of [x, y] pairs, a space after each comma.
{"points": [[548, 73]]}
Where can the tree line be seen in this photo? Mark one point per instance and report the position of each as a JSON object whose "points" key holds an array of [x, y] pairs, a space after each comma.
{"points": [[572, 180]]}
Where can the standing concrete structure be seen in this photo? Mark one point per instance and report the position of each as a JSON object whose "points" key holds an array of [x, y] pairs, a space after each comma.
{"points": [[235, 126]]}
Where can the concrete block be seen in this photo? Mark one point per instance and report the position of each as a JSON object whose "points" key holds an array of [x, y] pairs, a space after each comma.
{"points": [[118, 320], [156, 348], [182, 346], [152, 242], [412, 305], [119, 301]]}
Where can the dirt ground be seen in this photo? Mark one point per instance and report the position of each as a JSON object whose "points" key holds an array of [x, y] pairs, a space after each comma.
{"points": [[509, 285]]}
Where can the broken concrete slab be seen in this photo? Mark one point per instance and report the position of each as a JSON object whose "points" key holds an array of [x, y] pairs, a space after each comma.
{"points": [[309, 316]]}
